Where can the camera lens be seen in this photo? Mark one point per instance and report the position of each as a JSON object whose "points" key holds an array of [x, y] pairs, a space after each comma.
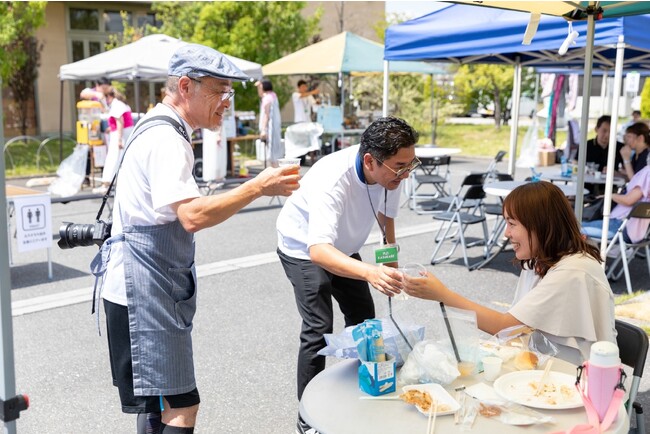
{"points": [[76, 235]]}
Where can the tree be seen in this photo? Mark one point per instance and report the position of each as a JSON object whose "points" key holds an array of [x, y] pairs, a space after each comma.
{"points": [[645, 100], [258, 31], [20, 52]]}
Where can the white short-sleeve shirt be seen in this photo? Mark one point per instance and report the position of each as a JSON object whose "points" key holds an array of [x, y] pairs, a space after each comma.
{"points": [[332, 206], [156, 173]]}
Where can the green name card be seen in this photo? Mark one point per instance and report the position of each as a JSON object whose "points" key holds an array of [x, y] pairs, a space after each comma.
{"points": [[386, 254]]}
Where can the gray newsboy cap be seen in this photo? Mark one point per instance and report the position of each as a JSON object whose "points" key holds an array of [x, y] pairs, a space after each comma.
{"points": [[196, 60]]}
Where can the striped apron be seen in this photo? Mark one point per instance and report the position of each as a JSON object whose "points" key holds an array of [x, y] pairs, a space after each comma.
{"points": [[160, 282]]}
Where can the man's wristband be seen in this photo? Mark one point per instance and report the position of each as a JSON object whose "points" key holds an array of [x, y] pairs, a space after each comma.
{"points": [[626, 161]]}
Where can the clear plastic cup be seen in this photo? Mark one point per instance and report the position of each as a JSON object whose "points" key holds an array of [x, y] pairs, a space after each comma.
{"points": [[411, 270], [283, 162], [491, 367]]}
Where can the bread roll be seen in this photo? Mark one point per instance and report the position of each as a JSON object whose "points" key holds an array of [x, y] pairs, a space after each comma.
{"points": [[526, 360]]}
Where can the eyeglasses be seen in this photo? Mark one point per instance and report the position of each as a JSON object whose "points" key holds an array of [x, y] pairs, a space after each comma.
{"points": [[225, 94], [406, 169]]}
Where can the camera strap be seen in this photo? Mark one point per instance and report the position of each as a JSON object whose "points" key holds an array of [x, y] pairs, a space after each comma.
{"points": [[139, 129]]}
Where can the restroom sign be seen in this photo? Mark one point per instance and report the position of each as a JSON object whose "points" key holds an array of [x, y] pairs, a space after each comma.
{"points": [[33, 222]]}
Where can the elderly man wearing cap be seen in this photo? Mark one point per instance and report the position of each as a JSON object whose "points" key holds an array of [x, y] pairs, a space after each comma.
{"points": [[149, 284]]}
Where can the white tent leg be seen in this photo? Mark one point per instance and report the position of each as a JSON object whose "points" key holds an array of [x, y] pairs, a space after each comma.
{"points": [[384, 111], [514, 126], [8, 373], [584, 122], [611, 150]]}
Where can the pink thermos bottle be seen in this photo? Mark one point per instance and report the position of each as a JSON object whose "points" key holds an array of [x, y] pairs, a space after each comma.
{"points": [[603, 375]]}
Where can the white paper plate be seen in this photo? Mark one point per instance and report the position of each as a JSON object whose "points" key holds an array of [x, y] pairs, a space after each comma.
{"points": [[520, 387], [438, 393]]}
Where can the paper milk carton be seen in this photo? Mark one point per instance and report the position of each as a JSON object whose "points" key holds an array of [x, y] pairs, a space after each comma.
{"points": [[376, 368], [377, 378]]}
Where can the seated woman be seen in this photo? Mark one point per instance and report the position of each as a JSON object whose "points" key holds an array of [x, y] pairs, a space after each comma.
{"points": [[638, 189], [636, 151], [562, 290]]}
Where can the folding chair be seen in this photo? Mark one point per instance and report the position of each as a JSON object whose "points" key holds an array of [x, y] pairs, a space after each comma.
{"points": [[492, 171], [633, 348], [434, 171], [459, 218], [640, 211]]}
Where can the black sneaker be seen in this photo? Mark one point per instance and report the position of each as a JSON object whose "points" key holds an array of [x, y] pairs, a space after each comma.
{"points": [[303, 427]]}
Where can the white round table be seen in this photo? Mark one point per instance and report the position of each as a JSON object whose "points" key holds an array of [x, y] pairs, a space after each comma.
{"points": [[589, 179], [331, 405], [434, 151], [503, 188]]}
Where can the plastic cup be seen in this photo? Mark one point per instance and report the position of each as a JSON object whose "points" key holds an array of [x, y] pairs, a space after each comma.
{"points": [[283, 162], [466, 368], [413, 270], [597, 175], [491, 367]]}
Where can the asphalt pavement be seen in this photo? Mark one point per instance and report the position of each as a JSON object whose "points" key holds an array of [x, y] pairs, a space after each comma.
{"points": [[245, 331]]}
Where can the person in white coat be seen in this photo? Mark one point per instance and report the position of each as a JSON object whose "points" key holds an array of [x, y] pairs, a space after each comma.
{"points": [[270, 125]]}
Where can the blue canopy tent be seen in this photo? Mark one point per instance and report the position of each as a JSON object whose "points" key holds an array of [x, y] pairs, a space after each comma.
{"points": [[466, 34]]}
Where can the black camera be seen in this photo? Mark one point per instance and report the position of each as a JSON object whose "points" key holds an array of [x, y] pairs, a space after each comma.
{"points": [[77, 234]]}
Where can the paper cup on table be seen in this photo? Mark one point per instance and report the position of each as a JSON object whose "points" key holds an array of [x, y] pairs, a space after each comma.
{"points": [[411, 270], [491, 367]]}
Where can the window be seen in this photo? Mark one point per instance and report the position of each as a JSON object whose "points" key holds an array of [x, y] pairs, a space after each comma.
{"points": [[113, 21], [84, 19], [77, 50], [149, 19]]}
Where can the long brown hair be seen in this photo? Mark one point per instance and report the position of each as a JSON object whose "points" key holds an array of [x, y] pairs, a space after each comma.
{"points": [[545, 212]]}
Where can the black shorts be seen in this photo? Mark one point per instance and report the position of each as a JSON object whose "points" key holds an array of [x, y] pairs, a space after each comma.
{"points": [[119, 349]]}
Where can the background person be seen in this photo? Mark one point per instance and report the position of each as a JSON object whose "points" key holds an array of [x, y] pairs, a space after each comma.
{"points": [[637, 190], [597, 148], [303, 102], [636, 151], [636, 117], [270, 125], [120, 124], [149, 287], [562, 290], [95, 93], [323, 226]]}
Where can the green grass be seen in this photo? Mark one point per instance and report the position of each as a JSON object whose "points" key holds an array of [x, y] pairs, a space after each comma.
{"points": [[22, 157], [621, 299], [479, 140]]}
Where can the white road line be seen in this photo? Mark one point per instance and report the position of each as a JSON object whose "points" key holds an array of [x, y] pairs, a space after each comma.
{"points": [[82, 295]]}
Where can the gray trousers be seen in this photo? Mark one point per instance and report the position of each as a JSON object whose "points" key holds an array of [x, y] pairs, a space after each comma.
{"points": [[314, 288]]}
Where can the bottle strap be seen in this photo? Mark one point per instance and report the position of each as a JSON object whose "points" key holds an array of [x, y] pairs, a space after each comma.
{"points": [[612, 410]]}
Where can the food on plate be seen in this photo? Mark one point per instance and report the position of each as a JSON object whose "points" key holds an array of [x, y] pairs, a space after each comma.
{"points": [[489, 410], [551, 392], [422, 400], [526, 360]]}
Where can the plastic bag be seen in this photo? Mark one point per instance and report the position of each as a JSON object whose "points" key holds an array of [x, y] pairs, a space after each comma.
{"points": [[517, 339], [513, 414], [343, 346], [72, 172], [429, 362]]}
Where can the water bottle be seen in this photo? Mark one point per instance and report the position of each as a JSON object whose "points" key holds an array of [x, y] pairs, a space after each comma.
{"points": [[603, 375], [565, 166]]}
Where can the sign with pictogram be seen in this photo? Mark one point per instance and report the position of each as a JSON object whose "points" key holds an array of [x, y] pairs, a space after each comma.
{"points": [[33, 222]]}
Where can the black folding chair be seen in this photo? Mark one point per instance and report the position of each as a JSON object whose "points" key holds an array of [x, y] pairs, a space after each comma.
{"points": [[628, 250], [458, 218], [433, 171], [632, 344]]}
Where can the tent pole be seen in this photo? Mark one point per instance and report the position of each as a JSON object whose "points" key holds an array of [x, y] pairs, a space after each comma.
{"points": [[60, 124], [611, 150], [384, 111], [433, 115], [603, 93], [514, 126], [584, 121], [8, 380], [136, 86]]}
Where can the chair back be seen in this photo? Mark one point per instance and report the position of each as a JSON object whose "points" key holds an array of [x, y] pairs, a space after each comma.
{"points": [[640, 211], [632, 344], [504, 177], [474, 192], [474, 179]]}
